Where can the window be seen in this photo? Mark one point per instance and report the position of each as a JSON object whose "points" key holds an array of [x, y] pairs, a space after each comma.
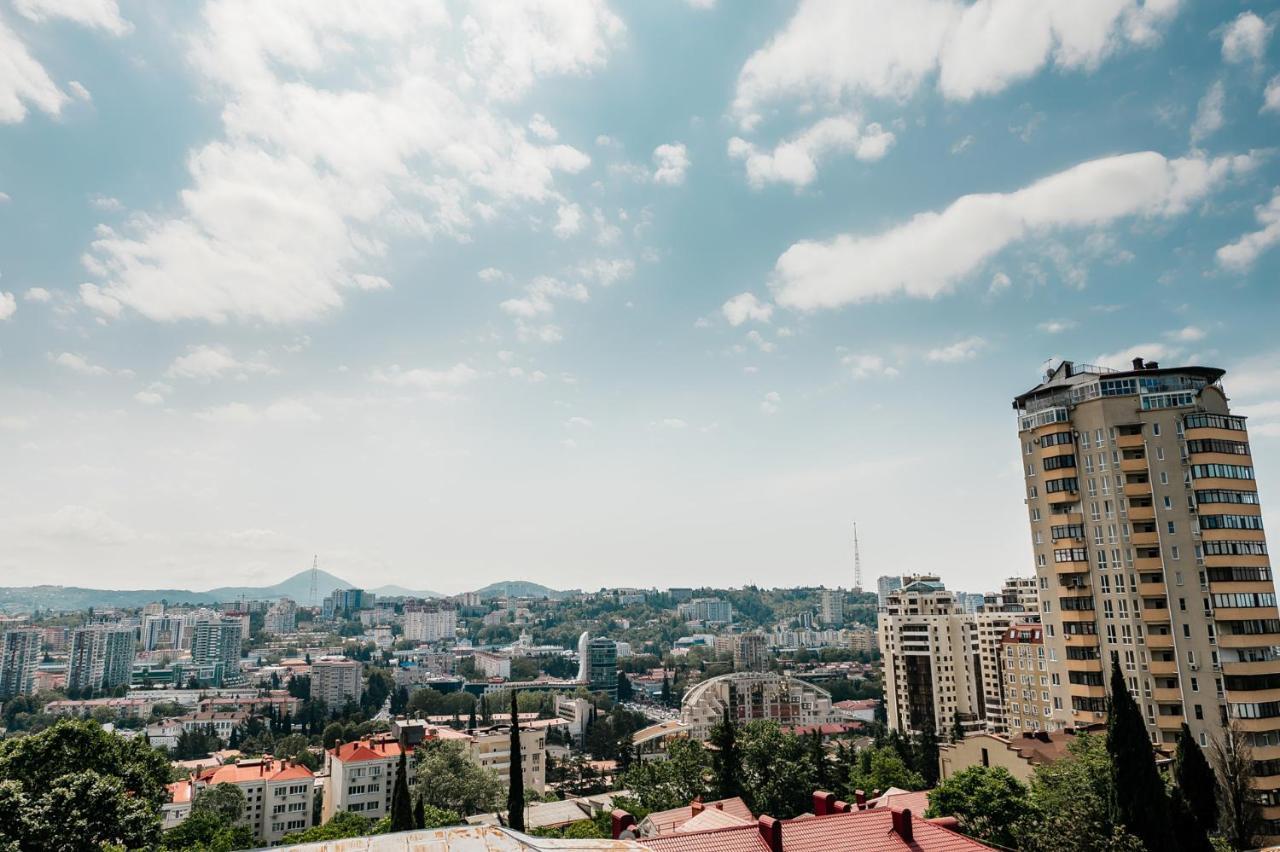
{"points": [[1214, 445], [1235, 548], [1059, 462], [1172, 528], [1155, 429], [1230, 522], [1221, 471], [1054, 486], [1217, 495], [1214, 421]]}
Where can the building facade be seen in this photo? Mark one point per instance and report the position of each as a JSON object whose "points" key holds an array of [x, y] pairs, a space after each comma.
{"points": [[833, 608], [337, 680], [19, 659], [432, 621], [886, 586], [216, 642], [706, 610], [281, 617], [748, 696], [602, 666], [1149, 548], [1024, 680], [101, 658], [750, 652]]}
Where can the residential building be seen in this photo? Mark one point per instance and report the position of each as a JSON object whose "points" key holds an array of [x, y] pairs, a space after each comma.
{"points": [[161, 632], [862, 638], [577, 713], [361, 776], [1019, 594], [680, 593], [493, 665], [1149, 548], [431, 621], [281, 617], [706, 610], [1020, 754], [337, 680], [602, 666], [344, 603], [277, 795], [19, 658], [217, 642], [754, 695], [750, 653], [1025, 680], [833, 607], [886, 586], [101, 658]]}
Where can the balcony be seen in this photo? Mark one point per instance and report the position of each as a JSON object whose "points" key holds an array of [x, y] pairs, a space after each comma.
{"points": [[1128, 442], [1169, 721], [1152, 590], [1163, 667], [1078, 614], [1087, 690], [1057, 497], [1080, 567], [1167, 695], [1084, 665], [1226, 613], [1262, 667], [1148, 563], [1081, 640], [1145, 539], [1254, 640], [1142, 513], [1137, 489], [1159, 640], [1156, 615], [1138, 465]]}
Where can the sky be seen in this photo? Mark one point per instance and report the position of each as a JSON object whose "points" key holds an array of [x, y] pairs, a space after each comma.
{"points": [[587, 293]]}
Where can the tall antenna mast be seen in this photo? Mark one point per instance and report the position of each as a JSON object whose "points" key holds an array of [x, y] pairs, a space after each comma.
{"points": [[857, 561], [315, 577]]}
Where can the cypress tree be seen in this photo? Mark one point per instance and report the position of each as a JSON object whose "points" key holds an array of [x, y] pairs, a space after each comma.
{"points": [[1138, 800], [927, 755], [1196, 781], [726, 760], [471, 720], [957, 731], [401, 807], [515, 789], [818, 757], [420, 813], [666, 689]]}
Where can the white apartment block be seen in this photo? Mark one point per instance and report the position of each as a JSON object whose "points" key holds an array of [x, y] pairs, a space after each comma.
{"points": [[281, 618], [101, 657], [277, 795], [362, 776], [832, 608], [754, 695], [430, 622], [19, 658], [493, 665], [337, 680]]}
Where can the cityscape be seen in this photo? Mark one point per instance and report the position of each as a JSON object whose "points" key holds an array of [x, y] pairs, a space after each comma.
{"points": [[670, 426]]}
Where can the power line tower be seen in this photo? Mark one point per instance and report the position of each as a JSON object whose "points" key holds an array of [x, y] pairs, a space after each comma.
{"points": [[315, 578], [857, 562]]}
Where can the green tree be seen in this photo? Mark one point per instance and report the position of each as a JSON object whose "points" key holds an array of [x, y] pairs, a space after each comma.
{"points": [[448, 779], [87, 810], [1194, 778], [674, 782], [726, 761], [625, 692], [927, 757], [344, 824], [777, 773], [1138, 798], [1241, 817], [957, 730], [515, 783], [401, 807], [818, 760], [332, 733], [432, 817], [989, 803], [224, 801], [880, 769]]}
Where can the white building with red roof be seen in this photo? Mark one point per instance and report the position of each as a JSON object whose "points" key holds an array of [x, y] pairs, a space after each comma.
{"points": [[277, 795]]}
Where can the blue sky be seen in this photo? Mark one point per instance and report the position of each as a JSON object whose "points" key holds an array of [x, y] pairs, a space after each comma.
{"points": [[645, 294]]}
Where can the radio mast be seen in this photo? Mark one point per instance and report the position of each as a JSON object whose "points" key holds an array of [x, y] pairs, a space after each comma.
{"points": [[315, 578], [857, 562]]}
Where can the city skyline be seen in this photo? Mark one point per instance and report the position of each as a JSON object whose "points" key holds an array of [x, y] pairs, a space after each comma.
{"points": [[663, 295]]}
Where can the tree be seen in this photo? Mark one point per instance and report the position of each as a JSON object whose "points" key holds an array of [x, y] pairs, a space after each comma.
{"points": [[515, 784], [880, 769], [224, 801], [666, 689], [1241, 818], [433, 817], [625, 692], [777, 774], [332, 733], [957, 730], [1195, 780], [726, 761], [927, 756], [420, 813], [344, 824], [818, 758], [989, 803], [86, 810], [674, 782], [1138, 798], [448, 779], [401, 807]]}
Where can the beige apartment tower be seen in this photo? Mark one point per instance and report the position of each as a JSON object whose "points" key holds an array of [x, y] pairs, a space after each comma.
{"points": [[1149, 547]]}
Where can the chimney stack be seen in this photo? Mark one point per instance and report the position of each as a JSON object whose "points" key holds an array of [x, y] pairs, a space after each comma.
{"points": [[770, 832], [902, 823], [860, 799], [1137, 363], [823, 803], [622, 825], [696, 807]]}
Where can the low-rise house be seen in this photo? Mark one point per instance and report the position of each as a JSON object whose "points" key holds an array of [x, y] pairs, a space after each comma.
{"points": [[1019, 754]]}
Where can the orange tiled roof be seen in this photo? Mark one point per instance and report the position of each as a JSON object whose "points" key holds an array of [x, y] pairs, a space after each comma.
{"points": [[367, 749], [254, 770]]}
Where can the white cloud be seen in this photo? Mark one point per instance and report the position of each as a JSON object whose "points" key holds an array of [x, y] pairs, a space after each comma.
{"points": [[77, 524], [1241, 254], [999, 283], [147, 397], [370, 283], [1123, 359], [99, 302], [868, 365], [932, 251], [1187, 334], [758, 339], [746, 307], [1209, 113], [671, 161], [579, 423], [37, 294], [540, 296], [99, 14], [491, 274], [672, 423], [1245, 39], [963, 144], [1271, 97], [701, 4], [205, 363], [310, 180], [79, 364], [962, 350], [427, 379], [795, 160], [527, 332], [8, 306], [4, 196], [540, 127], [606, 272], [238, 413], [834, 50], [1056, 326], [771, 403], [24, 81], [568, 221]]}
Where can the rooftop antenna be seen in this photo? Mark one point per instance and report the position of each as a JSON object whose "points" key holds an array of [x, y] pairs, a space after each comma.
{"points": [[315, 577], [857, 561]]}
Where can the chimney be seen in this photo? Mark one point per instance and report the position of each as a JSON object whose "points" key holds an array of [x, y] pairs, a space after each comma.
{"points": [[949, 822], [860, 799], [902, 823], [841, 807], [1137, 363], [770, 832], [1152, 365], [622, 825], [823, 803], [696, 806]]}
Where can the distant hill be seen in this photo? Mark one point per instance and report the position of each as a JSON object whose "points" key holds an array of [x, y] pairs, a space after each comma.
{"points": [[520, 589], [298, 587], [393, 591]]}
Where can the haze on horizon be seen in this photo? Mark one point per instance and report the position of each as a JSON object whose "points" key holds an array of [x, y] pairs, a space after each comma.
{"points": [[600, 294]]}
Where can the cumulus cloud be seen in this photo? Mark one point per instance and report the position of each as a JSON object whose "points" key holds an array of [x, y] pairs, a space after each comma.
{"points": [[239, 413], [1245, 39], [1147, 351], [745, 307], [759, 341], [1240, 255], [1271, 97], [670, 162], [606, 272], [98, 14], [540, 296], [205, 363], [579, 423], [24, 81], [928, 254], [423, 378], [772, 403], [99, 302], [568, 221], [1056, 326], [79, 364], [37, 294], [1187, 334], [795, 160], [308, 178], [962, 350], [833, 50], [1209, 113], [370, 283], [8, 306], [77, 524], [867, 365]]}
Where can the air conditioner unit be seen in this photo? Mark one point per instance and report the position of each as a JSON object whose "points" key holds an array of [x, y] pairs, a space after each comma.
{"points": [[1195, 667]]}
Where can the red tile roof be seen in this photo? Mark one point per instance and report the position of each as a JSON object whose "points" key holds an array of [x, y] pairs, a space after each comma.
{"points": [[254, 770], [665, 822], [369, 749], [735, 839]]}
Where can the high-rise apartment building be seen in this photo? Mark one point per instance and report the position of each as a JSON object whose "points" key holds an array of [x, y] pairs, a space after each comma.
{"points": [[750, 653], [432, 621], [216, 642], [344, 603], [1149, 548], [101, 658], [706, 610], [602, 666], [833, 607], [1024, 679], [160, 631], [886, 586], [19, 657], [337, 680], [281, 617]]}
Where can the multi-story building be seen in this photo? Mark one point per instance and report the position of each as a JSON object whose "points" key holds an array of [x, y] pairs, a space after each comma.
{"points": [[602, 666], [216, 642], [160, 631], [1148, 542], [706, 610], [344, 603], [337, 680], [1024, 679], [863, 639], [750, 653], [886, 586], [492, 665], [277, 795], [748, 696], [432, 621], [101, 658], [281, 617], [362, 776], [833, 608], [941, 664], [1019, 594], [19, 658]]}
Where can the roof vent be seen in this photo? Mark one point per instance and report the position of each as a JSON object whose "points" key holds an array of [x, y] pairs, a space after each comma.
{"points": [[1137, 363], [1152, 365]]}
